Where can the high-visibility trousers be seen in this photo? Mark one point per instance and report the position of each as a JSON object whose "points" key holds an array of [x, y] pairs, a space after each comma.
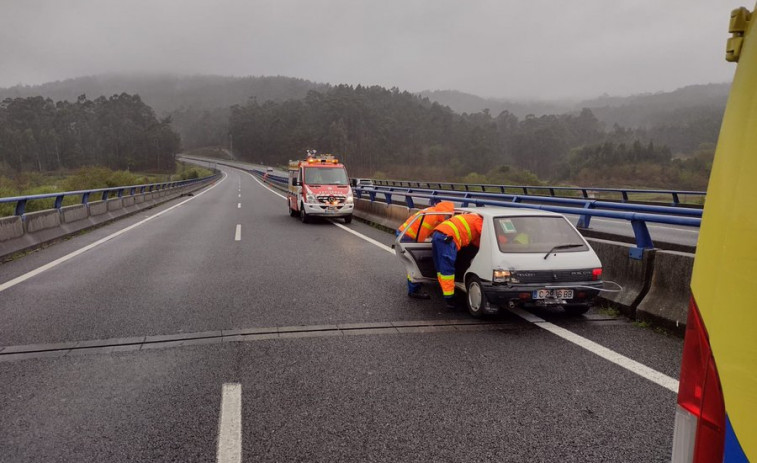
{"points": [[411, 287], [444, 254]]}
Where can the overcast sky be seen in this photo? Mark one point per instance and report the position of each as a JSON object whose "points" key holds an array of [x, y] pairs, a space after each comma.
{"points": [[496, 48]]}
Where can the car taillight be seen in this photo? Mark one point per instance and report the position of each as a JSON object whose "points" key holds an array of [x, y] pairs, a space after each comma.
{"points": [[699, 432], [596, 273]]}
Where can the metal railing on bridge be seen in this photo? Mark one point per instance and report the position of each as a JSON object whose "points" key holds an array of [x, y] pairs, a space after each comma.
{"points": [[99, 193], [552, 191]]}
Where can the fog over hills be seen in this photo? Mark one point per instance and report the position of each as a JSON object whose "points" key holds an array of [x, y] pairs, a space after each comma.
{"points": [[168, 93]]}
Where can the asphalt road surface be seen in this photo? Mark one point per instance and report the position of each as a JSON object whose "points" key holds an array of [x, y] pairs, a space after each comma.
{"points": [[218, 328]]}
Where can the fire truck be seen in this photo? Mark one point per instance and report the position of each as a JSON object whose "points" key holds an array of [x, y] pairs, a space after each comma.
{"points": [[319, 187]]}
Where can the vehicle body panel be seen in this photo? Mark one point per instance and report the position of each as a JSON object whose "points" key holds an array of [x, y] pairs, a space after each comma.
{"points": [[321, 189], [562, 269], [725, 265]]}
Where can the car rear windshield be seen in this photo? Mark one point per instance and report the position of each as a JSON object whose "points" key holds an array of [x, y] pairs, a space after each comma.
{"points": [[537, 234], [325, 176]]}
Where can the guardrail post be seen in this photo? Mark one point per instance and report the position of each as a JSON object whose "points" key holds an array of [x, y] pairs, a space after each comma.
{"points": [[120, 192], [433, 201], [552, 192], [58, 202], [372, 195], [465, 203], [105, 195], [388, 196], [20, 207], [409, 199], [525, 191], [586, 193], [625, 196], [676, 201], [85, 198], [585, 219], [643, 239]]}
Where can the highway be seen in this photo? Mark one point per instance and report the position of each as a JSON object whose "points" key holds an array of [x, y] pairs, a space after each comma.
{"points": [[218, 328]]}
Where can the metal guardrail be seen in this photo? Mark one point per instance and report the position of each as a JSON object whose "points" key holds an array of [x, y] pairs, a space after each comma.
{"points": [[586, 204], [546, 190], [105, 193], [638, 215]]}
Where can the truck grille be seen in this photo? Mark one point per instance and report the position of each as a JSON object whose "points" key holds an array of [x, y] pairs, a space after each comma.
{"points": [[548, 276], [331, 199]]}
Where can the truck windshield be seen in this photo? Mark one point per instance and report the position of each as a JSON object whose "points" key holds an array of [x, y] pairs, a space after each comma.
{"points": [[325, 176], [537, 234]]}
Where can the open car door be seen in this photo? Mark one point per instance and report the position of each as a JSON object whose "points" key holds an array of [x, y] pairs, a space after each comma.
{"points": [[415, 256]]}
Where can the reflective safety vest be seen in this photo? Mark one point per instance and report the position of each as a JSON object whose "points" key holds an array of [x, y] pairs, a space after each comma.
{"points": [[464, 229], [427, 224]]}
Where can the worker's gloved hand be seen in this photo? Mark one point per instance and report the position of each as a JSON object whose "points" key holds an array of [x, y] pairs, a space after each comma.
{"points": [[447, 239]]}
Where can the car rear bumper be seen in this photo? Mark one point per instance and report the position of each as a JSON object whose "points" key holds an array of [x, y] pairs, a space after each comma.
{"points": [[584, 293]]}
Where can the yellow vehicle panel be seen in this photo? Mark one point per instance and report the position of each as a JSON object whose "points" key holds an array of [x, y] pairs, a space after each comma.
{"points": [[724, 281]]}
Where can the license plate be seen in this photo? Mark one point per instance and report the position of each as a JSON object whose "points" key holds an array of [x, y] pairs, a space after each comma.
{"points": [[331, 209], [553, 294]]}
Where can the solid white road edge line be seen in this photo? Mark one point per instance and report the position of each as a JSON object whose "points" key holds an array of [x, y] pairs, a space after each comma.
{"points": [[359, 235], [633, 366], [56, 262], [229, 448], [238, 233]]}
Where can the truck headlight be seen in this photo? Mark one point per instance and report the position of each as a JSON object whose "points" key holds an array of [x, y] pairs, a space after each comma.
{"points": [[350, 199], [310, 198], [500, 276]]}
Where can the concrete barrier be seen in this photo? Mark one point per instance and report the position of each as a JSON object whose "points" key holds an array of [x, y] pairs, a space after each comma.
{"points": [[41, 220], [19, 234], [667, 301], [632, 274], [387, 215], [97, 208], [114, 204], [10, 228], [73, 213]]}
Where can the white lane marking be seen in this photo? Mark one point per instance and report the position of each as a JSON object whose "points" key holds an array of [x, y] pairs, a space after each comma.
{"points": [[368, 239], [239, 205], [229, 448], [359, 235], [239, 195], [238, 233], [56, 262], [633, 366], [266, 186]]}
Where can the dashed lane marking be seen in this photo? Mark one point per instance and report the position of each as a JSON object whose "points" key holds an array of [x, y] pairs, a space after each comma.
{"points": [[238, 233], [56, 262], [633, 366], [239, 205], [229, 448]]}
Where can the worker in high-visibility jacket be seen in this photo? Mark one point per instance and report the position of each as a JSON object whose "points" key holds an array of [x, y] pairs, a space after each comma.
{"points": [[418, 231], [449, 236]]}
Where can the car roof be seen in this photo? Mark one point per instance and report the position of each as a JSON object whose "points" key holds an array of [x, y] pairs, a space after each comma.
{"points": [[498, 211]]}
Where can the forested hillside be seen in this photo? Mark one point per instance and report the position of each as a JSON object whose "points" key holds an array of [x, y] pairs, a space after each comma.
{"points": [[120, 132], [660, 140], [402, 135]]}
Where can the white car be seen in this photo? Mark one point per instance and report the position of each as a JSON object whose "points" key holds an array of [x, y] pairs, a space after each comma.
{"points": [[527, 257]]}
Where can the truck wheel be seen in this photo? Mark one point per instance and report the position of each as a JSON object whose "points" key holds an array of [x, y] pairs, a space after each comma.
{"points": [[303, 215], [476, 300], [348, 219]]}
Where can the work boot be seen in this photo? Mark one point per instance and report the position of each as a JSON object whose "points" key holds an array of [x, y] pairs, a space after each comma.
{"points": [[450, 303], [419, 295]]}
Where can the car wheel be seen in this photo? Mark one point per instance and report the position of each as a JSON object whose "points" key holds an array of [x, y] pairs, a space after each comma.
{"points": [[348, 219], [476, 300], [576, 309], [303, 215]]}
